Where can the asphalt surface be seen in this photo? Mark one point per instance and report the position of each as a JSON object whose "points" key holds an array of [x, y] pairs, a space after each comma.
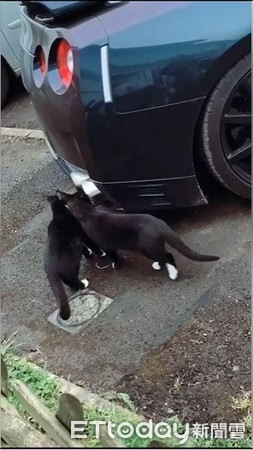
{"points": [[147, 309], [19, 111]]}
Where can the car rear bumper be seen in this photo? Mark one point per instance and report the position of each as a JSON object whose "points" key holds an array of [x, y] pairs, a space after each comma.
{"points": [[135, 160], [137, 196]]}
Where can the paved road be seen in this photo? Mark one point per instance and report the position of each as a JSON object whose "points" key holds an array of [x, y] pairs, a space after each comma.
{"points": [[147, 308], [19, 111]]}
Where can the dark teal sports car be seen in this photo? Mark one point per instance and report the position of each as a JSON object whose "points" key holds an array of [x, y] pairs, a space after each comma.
{"points": [[136, 99]]}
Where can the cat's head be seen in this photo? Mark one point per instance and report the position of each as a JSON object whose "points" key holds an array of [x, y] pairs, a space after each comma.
{"points": [[56, 203], [69, 198], [52, 199], [76, 202], [57, 198]]}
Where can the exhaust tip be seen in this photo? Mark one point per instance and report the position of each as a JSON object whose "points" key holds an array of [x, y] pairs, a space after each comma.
{"points": [[78, 178], [83, 181]]}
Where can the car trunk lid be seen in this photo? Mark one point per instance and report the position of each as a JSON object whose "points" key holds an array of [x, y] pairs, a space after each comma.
{"points": [[60, 12]]}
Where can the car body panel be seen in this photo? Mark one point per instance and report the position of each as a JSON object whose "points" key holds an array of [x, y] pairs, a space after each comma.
{"points": [[142, 114], [161, 54], [10, 34], [137, 148], [8, 54], [59, 8]]}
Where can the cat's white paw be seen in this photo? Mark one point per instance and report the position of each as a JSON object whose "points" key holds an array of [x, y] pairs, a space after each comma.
{"points": [[113, 265], [85, 282], [172, 271], [102, 267], [156, 265]]}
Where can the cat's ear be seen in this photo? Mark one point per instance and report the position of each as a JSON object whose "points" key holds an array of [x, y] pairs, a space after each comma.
{"points": [[63, 196], [59, 194]]}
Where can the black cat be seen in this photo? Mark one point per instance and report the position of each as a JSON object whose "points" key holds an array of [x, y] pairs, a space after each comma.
{"points": [[142, 233], [66, 243]]}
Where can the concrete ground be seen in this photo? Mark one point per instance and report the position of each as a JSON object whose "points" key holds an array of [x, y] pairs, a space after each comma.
{"points": [[149, 312], [147, 309], [19, 111]]}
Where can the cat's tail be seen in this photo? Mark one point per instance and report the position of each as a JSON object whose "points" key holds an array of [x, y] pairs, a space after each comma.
{"points": [[174, 241], [57, 287]]}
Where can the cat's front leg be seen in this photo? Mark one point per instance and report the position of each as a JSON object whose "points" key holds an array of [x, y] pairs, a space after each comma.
{"points": [[87, 252], [95, 249], [113, 259]]}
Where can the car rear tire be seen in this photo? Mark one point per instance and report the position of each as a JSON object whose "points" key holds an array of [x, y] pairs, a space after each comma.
{"points": [[5, 83], [226, 129]]}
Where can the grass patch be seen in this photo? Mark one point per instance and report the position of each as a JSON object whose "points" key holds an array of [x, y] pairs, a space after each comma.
{"points": [[224, 443], [243, 404], [45, 387]]}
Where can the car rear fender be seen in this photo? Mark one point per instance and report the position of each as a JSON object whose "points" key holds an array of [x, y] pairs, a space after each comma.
{"points": [[225, 62], [168, 52]]}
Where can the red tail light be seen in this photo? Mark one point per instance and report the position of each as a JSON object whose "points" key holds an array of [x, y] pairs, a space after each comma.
{"points": [[39, 67], [65, 63], [42, 62]]}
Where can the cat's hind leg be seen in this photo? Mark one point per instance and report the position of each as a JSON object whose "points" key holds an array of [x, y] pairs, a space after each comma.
{"points": [[168, 261], [171, 266], [156, 265], [154, 249]]}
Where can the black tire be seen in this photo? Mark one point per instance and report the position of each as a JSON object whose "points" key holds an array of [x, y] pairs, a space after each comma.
{"points": [[5, 83], [221, 136]]}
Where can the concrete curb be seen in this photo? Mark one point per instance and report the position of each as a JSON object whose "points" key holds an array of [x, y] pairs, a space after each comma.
{"points": [[22, 133]]}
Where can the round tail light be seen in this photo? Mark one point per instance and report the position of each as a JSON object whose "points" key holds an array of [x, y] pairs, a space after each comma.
{"points": [[42, 62], [65, 62], [39, 67]]}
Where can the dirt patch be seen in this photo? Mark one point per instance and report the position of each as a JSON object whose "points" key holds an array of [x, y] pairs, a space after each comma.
{"points": [[196, 374]]}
